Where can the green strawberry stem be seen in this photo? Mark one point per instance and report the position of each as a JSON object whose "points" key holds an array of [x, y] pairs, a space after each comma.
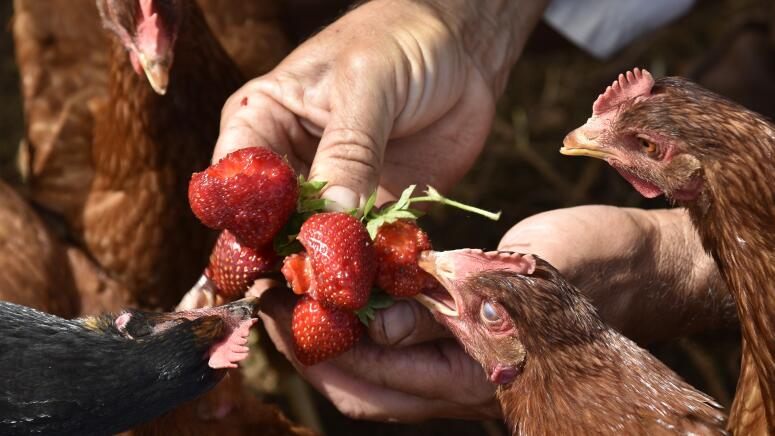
{"points": [[435, 197]]}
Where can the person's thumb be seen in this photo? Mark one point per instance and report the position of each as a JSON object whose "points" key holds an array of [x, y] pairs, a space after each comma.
{"points": [[351, 149], [405, 323]]}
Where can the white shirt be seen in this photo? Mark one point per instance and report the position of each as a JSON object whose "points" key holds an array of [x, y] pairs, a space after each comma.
{"points": [[602, 27]]}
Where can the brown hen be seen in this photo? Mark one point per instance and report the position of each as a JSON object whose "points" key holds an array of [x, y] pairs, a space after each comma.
{"points": [[715, 157], [137, 223], [558, 367], [35, 260], [64, 61]]}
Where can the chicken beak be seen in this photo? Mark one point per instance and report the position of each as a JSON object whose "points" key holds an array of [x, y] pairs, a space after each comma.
{"points": [[246, 307], [582, 143], [437, 265], [157, 69]]}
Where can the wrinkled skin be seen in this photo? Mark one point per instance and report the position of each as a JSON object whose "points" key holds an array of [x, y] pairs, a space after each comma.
{"points": [[378, 98]]}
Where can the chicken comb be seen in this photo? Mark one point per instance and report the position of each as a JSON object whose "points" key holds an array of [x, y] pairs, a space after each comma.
{"points": [[523, 264], [627, 86]]}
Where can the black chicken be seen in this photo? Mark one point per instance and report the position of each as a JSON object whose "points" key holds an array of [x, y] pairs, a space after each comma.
{"points": [[106, 374]]}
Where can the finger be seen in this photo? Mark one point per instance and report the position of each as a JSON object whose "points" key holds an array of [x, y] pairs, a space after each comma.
{"points": [[251, 118], [421, 370], [354, 397], [351, 150], [360, 399], [405, 323], [263, 285]]}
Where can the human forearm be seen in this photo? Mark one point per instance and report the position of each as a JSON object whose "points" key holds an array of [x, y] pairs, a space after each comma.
{"points": [[681, 259]]}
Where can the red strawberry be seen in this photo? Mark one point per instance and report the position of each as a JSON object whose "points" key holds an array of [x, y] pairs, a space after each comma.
{"points": [[341, 258], [234, 267], [321, 332], [398, 246], [297, 270], [251, 192]]}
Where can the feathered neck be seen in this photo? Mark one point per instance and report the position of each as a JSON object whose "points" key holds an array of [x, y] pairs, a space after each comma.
{"points": [[607, 386], [155, 127], [735, 217]]}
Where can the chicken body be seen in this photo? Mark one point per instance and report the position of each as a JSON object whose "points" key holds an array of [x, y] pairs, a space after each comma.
{"points": [[63, 63], [672, 137], [137, 223], [559, 368], [112, 158], [102, 375]]}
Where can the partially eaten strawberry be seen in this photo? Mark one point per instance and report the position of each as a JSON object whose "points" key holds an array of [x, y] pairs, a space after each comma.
{"points": [[251, 192], [341, 261], [321, 332], [398, 246], [234, 267], [298, 271]]}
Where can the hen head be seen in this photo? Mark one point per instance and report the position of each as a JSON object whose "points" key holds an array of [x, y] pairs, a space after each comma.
{"points": [[148, 30], [221, 332], [659, 135], [504, 306]]}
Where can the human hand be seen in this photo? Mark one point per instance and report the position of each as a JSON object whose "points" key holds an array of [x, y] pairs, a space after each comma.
{"points": [[409, 370], [394, 93], [646, 271]]}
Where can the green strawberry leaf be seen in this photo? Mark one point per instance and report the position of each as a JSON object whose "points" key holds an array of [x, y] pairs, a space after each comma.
{"points": [[403, 200], [312, 204], [309, 203], [369, 204], [309, 188], [372, 226], [285, 242], [378, 300]]}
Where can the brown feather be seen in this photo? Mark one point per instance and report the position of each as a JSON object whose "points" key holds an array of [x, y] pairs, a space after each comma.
{"points": [[734, 215], [578, 375], [716, 158], [137, 221]]}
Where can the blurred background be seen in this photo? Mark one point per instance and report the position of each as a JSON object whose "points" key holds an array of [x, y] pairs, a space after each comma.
{"points": [[726, 45]]}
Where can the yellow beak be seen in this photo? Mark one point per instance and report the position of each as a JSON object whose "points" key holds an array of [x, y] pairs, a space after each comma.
{"points": [[157, 72], [577, 143], [434, 263]]}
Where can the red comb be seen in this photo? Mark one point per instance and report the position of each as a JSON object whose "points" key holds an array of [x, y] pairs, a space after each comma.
{"points": [[629, 85]]}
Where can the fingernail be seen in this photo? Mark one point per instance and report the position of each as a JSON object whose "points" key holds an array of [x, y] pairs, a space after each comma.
{"points": [[397, 323], [342, 198]]}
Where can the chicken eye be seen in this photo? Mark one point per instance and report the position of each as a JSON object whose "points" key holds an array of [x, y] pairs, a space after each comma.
{"points": [[488, 313], [648, 147]]}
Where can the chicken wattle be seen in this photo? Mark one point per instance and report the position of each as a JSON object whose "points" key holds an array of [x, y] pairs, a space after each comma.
{"points": [[670, 136]]}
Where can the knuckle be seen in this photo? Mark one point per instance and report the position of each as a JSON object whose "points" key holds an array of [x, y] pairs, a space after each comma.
{"points": [[352, 146]]}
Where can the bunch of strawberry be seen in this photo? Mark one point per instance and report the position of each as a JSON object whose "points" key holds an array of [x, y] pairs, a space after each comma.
{"points": [[345, 267]]}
